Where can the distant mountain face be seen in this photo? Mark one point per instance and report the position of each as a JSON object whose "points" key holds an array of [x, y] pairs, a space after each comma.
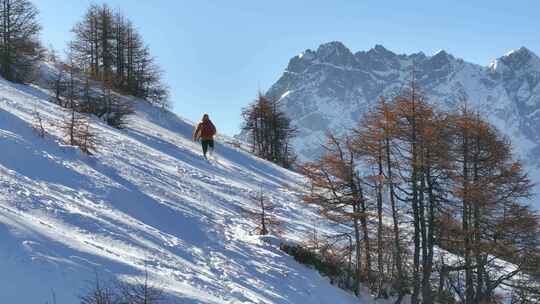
{"points": [[330, 88]]}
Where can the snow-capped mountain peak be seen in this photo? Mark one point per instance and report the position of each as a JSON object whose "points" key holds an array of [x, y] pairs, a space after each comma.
{"points": [[332, 89], [519, 60], [335, 53], [381, 51]]}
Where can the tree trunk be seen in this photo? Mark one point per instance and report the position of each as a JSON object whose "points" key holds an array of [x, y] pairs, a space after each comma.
{"points": [[358, 250], [427, 267], [415, 203], [469, 288], [480, 289], [395, 220], [365, 232], [380, 264]]}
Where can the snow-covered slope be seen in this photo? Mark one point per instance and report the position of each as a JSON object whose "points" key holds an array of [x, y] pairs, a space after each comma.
{"points": [[330, 88], [145, 200]]}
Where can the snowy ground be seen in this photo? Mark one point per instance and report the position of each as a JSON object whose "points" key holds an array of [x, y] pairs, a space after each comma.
{"points": [[147, 199]]}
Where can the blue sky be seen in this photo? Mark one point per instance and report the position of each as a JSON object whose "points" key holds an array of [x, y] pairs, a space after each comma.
{"points": [[218, 54]]}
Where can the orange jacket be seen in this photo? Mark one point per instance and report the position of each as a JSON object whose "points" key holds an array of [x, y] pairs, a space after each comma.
{"points": [[205, 130]]}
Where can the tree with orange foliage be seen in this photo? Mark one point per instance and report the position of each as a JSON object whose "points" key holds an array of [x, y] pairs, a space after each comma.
{"points": [[455, 175], [374, 144], [338, 190], [490, 187]]}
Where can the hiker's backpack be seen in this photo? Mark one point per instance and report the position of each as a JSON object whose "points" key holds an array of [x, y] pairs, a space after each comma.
{"points": [[207, 129]]}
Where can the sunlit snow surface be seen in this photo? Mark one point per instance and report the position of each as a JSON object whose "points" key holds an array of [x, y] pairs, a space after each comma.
{"points": [[147, 199]]}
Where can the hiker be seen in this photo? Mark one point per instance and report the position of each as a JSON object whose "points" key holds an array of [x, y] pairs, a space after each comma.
{"points": [[205, 132]]}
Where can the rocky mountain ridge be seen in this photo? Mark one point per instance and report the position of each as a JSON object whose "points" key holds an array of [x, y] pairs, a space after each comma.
{"points": [[329, 89]]}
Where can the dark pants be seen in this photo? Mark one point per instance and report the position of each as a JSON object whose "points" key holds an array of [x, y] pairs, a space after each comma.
{"points": [[207, 143]]}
